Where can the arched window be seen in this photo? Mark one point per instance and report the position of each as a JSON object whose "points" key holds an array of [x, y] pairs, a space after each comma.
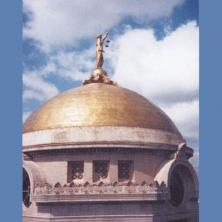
{"points": [[181, 184], [26, 189], [176, 188]]}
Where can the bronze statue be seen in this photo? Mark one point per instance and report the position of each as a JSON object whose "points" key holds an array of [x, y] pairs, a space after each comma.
{"points": [[99, 49], [99, 75]]}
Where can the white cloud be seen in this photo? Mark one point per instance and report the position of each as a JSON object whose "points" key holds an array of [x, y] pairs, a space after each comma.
{"points": [[68, 66], [60, 23], [36, 88], [185, 115], [159, 68], [165, 71], [75, 66], [195, 160], [25, 116]]}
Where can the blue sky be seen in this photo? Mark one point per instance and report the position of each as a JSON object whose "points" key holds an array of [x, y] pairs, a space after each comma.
{"points": [[154, 50]]}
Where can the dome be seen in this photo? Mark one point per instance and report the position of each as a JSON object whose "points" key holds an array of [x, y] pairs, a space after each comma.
{"points": [[98, 104]]}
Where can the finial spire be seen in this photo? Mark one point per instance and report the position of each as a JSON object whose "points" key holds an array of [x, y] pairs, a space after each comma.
{"points": [[99, 75]]}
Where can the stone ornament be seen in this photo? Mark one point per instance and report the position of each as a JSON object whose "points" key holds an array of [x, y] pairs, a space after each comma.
{"points": [[99, 75], [180, 153], [100, 188]]}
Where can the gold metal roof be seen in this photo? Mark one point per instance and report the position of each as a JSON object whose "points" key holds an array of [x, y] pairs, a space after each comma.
{"points": [[98, 104]]}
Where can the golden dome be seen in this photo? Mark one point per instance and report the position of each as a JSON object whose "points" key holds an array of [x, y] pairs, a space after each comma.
{"points": [[98, 104]]}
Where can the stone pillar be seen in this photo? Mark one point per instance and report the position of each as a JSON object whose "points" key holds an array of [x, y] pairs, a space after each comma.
{"points": [[113, 171], [88, 171]]}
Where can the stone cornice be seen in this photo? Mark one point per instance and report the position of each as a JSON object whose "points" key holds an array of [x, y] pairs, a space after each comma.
{"points": [[98, 145], [100, 136], [99, 192]]}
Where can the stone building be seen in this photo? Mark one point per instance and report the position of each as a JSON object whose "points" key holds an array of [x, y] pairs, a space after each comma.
{"points": [[104, 153]]}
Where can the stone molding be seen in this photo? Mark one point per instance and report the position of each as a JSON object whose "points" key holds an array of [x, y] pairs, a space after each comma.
{"points": [[91, 136], [99, 218], [47, 193], [146, 217]]}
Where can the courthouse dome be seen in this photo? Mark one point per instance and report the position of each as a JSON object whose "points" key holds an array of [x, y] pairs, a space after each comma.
{"points": [[99, 104]]}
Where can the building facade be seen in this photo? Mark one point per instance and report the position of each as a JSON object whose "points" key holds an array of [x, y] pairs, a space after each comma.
{"points": [[103, 153]]}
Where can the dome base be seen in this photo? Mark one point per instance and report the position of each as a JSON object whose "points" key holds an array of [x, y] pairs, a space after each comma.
{"points": [[99, 76]]}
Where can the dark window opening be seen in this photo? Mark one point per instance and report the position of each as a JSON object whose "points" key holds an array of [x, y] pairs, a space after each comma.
{"points": [[26, 189], [75, 170], [176, 189], [125, 170], [100, 170]]}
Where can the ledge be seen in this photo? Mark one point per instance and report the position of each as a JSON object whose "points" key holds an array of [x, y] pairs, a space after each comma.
{"points": [[100, 193], [84, 136]]}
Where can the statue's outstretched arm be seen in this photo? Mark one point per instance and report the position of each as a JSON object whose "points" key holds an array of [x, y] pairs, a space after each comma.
{"points": [[105, 36]]}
